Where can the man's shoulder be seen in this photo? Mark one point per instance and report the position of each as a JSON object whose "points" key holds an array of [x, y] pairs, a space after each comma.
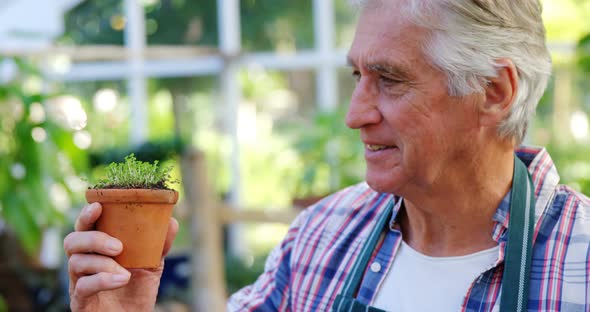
{"points": [[568, 214], [565, 196], [339, 222], [562, 245]]}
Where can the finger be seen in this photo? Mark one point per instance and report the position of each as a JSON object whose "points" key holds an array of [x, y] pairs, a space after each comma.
{"points": [[89, 264], [92, 242], [170, 236], [88, 216], [92, 284]]}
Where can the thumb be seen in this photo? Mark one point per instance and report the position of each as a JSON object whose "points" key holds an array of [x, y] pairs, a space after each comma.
{"points": [[170, 236]]}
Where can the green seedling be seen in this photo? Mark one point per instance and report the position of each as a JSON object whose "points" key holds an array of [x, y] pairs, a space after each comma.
{"points": [[135, 174]]}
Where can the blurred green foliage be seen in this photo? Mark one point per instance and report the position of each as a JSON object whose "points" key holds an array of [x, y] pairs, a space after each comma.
{"points": [[167, 22], [583, 53], [566, 20], [267, 24], [331, 154], [572, 155], [149, 151], [573, 163], [240, 272], [39, 162], [567, 93]]}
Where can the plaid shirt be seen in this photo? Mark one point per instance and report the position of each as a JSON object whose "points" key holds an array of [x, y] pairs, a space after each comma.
{"points": [[307, 270]]}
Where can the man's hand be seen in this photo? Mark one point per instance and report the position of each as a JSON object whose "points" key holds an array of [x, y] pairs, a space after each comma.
{"points": [[97, 282]]}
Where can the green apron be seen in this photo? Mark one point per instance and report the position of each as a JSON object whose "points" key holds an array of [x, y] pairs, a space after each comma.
{"points": [[517, 263]]}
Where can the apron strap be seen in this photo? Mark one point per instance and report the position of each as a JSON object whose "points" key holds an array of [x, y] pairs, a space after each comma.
{"points": [[357, 271], [517, 263], [349, 304]]}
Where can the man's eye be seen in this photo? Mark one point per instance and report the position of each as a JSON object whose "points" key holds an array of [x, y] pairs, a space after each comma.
{"points": [[388, 81], [357, 75]]}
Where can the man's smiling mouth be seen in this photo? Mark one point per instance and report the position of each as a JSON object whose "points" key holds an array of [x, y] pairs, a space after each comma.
{"points": [[375, 147]]}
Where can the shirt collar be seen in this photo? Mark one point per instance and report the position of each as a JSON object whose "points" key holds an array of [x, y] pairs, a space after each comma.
{"points": [[545, 178], [397, 205]]}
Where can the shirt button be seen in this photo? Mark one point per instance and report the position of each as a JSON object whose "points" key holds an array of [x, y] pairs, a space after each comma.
{"points": [[375, 267]]}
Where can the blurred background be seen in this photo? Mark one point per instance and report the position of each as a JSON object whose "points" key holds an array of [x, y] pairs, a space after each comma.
{"points": [[244, 98]]}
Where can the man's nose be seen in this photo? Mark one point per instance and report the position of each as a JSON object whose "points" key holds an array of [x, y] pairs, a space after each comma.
{"points": [[363, 110]]}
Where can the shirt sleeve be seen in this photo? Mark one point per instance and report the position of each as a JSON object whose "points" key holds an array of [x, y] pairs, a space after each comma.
{"points": [[271, 291]]}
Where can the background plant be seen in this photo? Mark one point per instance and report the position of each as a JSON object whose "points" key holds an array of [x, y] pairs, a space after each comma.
{"points": [[39, 160], [3, 307], [330, 154]]}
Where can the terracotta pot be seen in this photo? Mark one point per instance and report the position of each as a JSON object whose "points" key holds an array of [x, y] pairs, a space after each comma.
{"points": [[137, 217]]}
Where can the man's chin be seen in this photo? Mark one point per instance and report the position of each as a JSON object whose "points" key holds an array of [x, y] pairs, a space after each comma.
{"points": [[382, 185]]}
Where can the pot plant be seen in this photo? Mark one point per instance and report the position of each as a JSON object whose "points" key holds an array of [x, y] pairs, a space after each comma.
{"points": [[136, 209]]}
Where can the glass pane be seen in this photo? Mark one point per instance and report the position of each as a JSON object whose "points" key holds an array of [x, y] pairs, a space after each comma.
{"points": [[345, 18], [106, 104], [95, 22], [182, 22], [277, 25]]}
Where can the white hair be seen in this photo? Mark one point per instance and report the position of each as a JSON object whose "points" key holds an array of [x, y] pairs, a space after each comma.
{"points": [[468, 37]]}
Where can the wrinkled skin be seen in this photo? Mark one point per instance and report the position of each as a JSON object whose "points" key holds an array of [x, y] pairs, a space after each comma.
{"points": [[97, 282], [401, 103]]}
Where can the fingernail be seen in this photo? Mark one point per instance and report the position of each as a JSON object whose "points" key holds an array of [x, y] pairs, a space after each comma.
{"points": [[119, 278], [89, 210], [113, 245]]}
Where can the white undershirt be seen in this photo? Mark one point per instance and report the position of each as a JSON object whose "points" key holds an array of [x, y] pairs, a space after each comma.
{"points": [[417, 282]]}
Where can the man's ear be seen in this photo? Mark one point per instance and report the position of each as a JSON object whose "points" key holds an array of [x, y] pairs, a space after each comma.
{"points": [[500, 93]]}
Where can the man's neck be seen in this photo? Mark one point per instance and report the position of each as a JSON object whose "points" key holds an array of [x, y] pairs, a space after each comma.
{"points": [[456, 217]]}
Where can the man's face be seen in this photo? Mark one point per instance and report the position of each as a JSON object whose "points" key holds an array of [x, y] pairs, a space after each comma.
{"points": [[414, 133]]}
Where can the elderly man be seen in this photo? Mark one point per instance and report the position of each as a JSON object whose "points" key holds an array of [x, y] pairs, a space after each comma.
{"points": [[452, 217]]}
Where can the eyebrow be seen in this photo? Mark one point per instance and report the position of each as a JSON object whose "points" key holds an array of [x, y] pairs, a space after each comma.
{"points": [[390, 70], [396, 71]]}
